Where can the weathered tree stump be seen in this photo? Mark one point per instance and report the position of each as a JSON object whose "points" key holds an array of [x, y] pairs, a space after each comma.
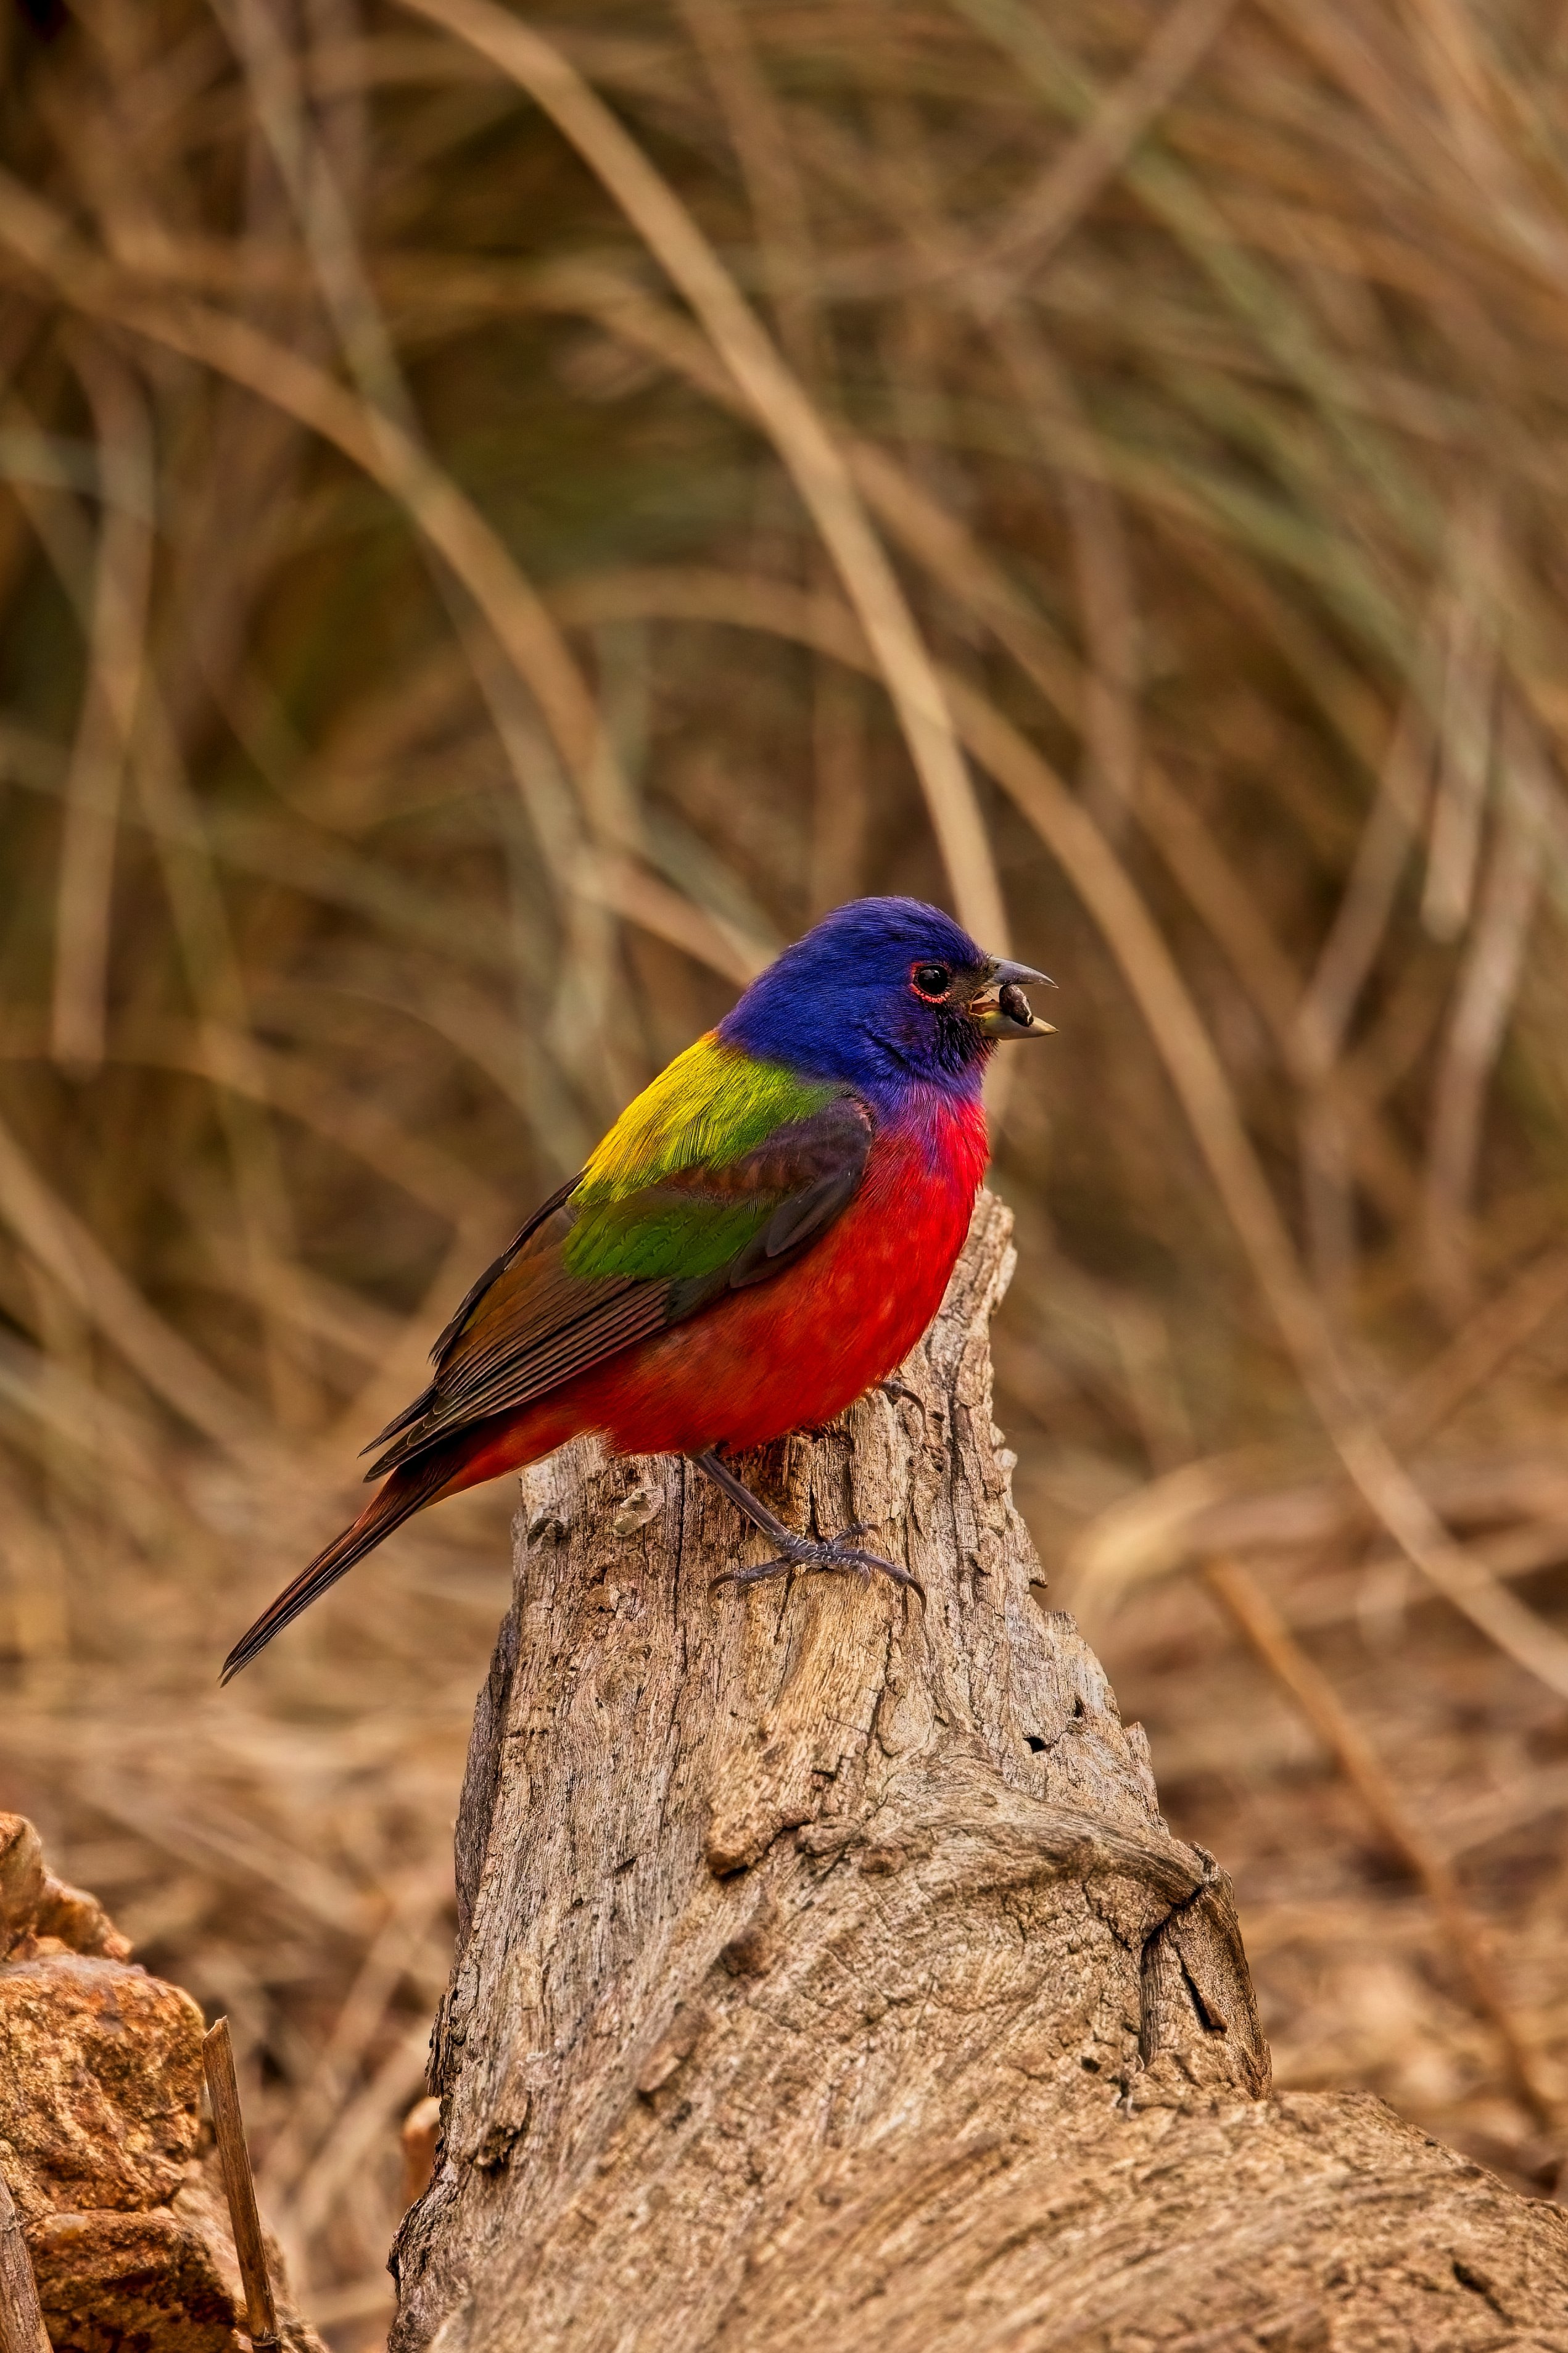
{"points": [[827, 1979]]}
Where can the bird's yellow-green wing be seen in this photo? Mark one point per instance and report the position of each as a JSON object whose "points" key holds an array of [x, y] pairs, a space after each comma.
{"points": [[719, 1175]]}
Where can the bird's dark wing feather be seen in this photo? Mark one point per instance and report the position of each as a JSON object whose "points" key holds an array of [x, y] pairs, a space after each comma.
{"points": [[587, 1278]]}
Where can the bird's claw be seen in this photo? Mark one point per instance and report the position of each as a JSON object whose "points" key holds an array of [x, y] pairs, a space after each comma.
{"points": [[897, 1394], [836, 1554]]}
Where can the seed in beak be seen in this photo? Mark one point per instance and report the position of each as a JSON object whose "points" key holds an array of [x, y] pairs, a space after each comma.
{"points": [[1015, 1005]]}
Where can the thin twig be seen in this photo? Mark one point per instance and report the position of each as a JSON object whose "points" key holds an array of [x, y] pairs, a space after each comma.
{"points": [[234, 2156], [21, 2319]]}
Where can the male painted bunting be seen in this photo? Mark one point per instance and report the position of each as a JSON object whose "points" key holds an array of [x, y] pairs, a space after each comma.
{"points": [[762, 1235]]}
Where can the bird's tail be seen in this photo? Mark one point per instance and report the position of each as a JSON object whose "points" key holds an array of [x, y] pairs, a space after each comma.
{"points": [[406, 1492]]}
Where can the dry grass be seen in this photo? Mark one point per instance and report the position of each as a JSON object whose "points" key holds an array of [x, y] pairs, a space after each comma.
{"points": [[500, 523]]}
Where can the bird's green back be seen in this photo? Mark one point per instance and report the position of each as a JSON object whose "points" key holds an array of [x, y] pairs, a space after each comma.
{"points": [[713, 1106]]}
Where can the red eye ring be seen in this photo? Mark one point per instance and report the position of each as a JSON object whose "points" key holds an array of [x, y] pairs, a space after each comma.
{"points": [[931, 982]]}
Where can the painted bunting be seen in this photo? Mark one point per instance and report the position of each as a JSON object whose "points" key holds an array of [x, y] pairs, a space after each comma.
{"points": [[762, 1236]]}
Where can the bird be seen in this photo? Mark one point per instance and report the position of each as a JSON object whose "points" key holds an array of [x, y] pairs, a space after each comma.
{"points": [[761, 1237]]}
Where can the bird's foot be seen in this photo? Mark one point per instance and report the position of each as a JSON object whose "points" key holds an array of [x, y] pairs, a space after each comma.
{"points": [[836, 1554], [897, 1393]]}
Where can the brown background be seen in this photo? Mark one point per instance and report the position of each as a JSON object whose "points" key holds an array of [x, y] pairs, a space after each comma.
{"points": [[430, 685]]}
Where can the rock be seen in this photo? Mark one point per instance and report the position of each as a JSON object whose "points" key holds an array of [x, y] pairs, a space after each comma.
{"points": [[21, 1878], [165, 2280], [39, 1913], [78, 1921], [100, 2082], [118, 2282], [202, 2207], [100, 2076]]}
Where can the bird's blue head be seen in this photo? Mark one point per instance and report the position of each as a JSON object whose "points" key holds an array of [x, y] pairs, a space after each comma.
{"points": [[882, 995]]}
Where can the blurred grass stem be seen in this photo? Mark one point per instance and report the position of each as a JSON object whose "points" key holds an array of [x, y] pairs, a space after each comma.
{"points": [[1309, 1689]]}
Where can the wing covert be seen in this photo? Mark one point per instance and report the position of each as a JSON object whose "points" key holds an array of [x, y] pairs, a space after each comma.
{"points": [[591, 1274]]}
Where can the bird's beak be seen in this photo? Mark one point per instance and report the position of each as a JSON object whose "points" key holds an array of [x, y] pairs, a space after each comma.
{"points": [[999, 1006]]}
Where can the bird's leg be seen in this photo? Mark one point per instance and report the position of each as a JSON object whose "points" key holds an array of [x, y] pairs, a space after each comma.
{"points": [[794, 1551]]}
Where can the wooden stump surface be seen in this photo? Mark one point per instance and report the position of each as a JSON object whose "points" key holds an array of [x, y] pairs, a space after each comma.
{"points": [[826, 1976]]}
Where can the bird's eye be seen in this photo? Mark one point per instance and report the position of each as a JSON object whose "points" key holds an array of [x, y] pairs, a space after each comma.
{"points": [[930, 981]]}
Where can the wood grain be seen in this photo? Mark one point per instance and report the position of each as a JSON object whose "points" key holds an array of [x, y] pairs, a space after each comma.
{"points": [[826, 1976]]}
